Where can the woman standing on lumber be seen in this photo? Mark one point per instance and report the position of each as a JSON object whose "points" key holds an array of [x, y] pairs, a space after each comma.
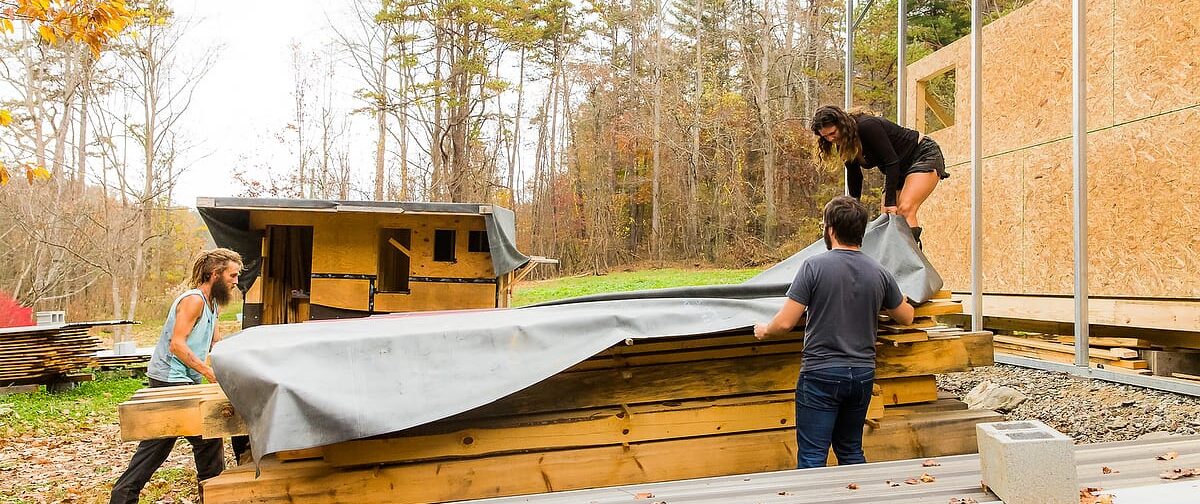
{"points": [[912, 163]]}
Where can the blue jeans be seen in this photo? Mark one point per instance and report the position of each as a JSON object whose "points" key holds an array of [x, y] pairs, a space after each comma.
{"points": [[831, 406]]}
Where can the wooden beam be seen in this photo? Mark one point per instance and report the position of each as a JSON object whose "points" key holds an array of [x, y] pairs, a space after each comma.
{"points": [[1166, 314], [403, 250], [1098, 353], [1098, 341]]}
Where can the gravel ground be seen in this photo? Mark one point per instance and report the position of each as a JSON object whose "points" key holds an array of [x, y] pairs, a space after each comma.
{"points": [[1090, 411]]}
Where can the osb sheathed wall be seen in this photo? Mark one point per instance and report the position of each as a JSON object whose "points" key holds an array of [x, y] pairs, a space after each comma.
{"points": [[1143, 151], [348, 244]]}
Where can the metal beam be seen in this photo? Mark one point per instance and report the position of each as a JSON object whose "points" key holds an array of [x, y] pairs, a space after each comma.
{"points": [[976, 165], [901, 62], [1163, 383], [849, 75], [1079, 143], [848, 78]]}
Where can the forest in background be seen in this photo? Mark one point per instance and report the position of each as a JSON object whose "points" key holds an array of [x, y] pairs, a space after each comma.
{"points": [[620, 131]]}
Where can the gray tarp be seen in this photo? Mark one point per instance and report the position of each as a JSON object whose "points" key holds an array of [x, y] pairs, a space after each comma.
{"points": [[304, 385]]}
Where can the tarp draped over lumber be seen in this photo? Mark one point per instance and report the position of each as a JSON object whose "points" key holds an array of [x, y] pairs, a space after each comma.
{"points": [[304, 385]]}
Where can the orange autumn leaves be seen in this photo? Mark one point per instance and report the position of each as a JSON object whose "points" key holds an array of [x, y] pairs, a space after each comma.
{"points": [[90, 22], [93, 23]]}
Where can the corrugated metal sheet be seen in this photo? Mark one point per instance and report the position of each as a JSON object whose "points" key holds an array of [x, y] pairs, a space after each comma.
{"points": [[1133, 463]]}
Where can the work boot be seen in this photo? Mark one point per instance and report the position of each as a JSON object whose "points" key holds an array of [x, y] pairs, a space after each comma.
{"points": [[916, 232]]}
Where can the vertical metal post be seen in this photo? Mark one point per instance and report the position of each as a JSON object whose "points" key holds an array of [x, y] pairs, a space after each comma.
{"points": [[976, 166], [901, 62], [849, 54], [849, 74], [1079, 148]]}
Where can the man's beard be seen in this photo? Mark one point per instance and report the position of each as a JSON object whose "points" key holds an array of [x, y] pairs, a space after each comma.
{"points": [[221, 293]]}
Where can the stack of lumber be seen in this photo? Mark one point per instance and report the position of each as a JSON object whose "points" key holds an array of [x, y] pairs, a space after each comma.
{"points": [[1115, 354], [45, 354], [107, 360], [641, 411]]}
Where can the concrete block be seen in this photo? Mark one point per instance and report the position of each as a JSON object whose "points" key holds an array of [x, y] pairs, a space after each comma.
{"points": [[1027, 462]]}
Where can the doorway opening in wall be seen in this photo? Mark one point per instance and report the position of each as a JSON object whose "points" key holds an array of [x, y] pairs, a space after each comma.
{"points": [[287, 274], [395, 259]]}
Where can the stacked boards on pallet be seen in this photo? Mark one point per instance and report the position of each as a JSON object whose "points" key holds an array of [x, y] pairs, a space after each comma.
{"points": [[646, 410], [45, 354], [1114, 354]]}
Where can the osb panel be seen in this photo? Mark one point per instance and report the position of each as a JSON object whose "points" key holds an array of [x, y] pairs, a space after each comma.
{"points": [[342, 293], [1002, 210], [438, 296], [1144, 211], [1027, 93], [945, 217], [1048, 250], [1027, 74], [1157, 56]]}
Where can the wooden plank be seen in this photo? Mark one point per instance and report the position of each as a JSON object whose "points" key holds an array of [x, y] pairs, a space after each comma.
{"points": [[908, 390], [219, 419], [154, 419], [1166, 314], [1108, 342], [1096, 353], [932, 435], [897, 339], [1069, 358], [576, 429], [902, 328], [934, 308], [1185, 376]]}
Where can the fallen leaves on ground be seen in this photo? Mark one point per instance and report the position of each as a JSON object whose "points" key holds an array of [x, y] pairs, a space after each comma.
{"points": [[926, 478], [1177, 473], [643, 495], [930, 463], [852, 486], [1167, 456], [1108, 470], [964, 500], [1091, 495]]}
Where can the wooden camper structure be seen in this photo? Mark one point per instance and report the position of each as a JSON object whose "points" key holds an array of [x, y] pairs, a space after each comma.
{"points": [[641, 411], [1143, 107], [317, 259]]}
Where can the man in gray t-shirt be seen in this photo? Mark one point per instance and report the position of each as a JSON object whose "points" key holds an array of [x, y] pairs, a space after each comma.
{"points": [[842, 290]]}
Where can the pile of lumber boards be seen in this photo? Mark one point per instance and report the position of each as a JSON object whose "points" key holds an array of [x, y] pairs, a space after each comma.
{"points": [[641, 411], [45, 354], [1114, 354]]}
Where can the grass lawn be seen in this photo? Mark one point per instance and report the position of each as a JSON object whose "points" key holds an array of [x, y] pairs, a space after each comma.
{"points": [[45, 414], [560, 288]]}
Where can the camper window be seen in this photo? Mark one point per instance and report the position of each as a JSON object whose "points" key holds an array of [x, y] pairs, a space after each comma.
{"points": [[443, 245], [477, 241]]}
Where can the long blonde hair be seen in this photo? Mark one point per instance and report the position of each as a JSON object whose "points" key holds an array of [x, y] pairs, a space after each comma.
{"points": [[209, 262]]}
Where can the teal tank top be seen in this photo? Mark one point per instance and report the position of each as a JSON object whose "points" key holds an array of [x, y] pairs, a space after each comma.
{"points": [[164, 366]]}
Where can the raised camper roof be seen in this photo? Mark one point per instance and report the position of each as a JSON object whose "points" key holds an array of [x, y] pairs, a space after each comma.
{"points": [[317, 205]]}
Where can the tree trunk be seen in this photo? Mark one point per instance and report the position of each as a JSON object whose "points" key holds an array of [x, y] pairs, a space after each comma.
{"points": [[655, 217]]}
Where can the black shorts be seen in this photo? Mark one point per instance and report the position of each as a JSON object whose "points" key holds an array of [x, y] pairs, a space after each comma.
{"points": [[928, 158]]}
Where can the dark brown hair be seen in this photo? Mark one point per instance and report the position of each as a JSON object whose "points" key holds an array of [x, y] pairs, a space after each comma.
{"points": [[848, 147], [212, 261], [848, 218]]}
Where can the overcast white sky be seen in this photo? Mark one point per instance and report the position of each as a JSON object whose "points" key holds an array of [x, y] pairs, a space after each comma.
{"points": [[245, 100]]}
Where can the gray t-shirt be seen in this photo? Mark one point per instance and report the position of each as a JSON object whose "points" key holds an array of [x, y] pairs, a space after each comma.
{"points": [[844, 291]]}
